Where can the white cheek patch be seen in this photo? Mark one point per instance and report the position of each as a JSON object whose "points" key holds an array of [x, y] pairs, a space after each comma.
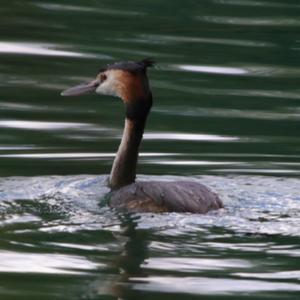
{"points": [[108, 87]]}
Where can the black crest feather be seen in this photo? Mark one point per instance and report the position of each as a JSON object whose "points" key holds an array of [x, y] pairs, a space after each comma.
{"points": [[147, 62], [131, 66]]}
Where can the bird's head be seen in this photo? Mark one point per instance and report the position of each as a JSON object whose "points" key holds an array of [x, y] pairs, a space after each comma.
{"points": [[126, 80]]}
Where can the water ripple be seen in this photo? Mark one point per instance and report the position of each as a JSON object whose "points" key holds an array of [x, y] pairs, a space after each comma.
{"points": [[77, 8], [39, 49], [189, 264], [208, 286], [171, 39], [213, 69], [264, 93], [254, 21], [274, 275], [45, 263], [284, 114], [256, 3], [244, 70], [41, 125], [188, 137], [264, 205]]}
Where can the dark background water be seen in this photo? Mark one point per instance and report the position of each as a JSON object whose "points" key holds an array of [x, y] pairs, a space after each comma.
{"points": [[226, 104], [226, 86]]}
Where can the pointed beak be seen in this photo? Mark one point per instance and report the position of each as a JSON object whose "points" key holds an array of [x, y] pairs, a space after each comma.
{"points": [[82, 89]]}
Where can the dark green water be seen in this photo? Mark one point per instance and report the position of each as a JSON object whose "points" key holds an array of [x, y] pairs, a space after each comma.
{"points": [[226, 111]]}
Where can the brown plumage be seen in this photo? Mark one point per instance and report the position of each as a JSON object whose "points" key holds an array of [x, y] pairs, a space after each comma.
{"points": [[157, 196]]}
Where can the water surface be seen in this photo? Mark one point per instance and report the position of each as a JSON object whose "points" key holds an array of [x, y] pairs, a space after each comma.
{"points": [[226, 112]]}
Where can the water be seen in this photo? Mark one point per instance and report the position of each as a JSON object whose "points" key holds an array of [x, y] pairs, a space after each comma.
{"points": [[226, 113]]}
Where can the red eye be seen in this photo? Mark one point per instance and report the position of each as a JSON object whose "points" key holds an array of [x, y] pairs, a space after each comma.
{"points": [[103, 77]]}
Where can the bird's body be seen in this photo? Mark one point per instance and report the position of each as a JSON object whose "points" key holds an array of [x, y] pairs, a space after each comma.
{"points": [[160, 196], [129, 81]]}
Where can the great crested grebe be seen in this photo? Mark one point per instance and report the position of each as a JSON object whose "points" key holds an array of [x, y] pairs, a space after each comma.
{"points": [[129, 81]]}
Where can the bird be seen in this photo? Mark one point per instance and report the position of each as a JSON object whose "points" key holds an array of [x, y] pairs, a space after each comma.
{"points": [[129, 81]]}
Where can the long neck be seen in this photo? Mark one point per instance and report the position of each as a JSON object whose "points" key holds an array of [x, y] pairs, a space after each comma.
{"points": [[123, 171]]}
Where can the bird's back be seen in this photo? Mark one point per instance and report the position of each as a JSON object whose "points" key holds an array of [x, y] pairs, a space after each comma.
{"points": [[175, 196]]}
